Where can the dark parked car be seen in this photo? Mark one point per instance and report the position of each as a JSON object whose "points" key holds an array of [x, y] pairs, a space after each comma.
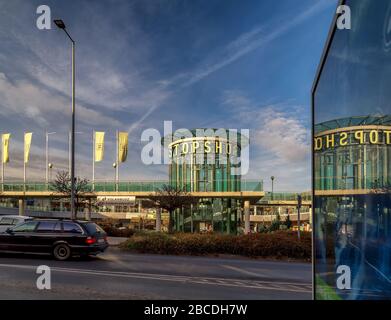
{"points": [[60, 238]]}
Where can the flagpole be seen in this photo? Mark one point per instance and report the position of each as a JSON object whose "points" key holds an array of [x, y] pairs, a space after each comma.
{"points": [[47, 158], [117, 161], [93, 160], [2, 163], [24, 175], [24, 164], [69, 152]]}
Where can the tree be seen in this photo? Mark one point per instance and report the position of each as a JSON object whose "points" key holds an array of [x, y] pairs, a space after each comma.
{"points": [[62, 186], [171, 198], [275, 225], [288, 221]]}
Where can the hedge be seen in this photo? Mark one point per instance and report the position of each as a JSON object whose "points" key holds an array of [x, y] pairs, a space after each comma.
{"points": [[279, 244]]}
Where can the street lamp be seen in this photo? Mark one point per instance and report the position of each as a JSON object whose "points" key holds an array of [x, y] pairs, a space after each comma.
{"points": [[272, 178], [61, 25], [70, 148], [50, 167], [115, 176], [47, 156], [299, 203]]}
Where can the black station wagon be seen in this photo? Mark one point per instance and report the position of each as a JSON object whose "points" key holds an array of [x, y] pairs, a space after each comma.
{"points": [[60, 238]]}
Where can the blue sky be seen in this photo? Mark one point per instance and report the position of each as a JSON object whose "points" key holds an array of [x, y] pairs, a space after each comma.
{"points": [[214, 63]]}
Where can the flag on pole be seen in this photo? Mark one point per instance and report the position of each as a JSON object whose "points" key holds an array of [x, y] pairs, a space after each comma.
{"points": [[99, 145], [27, 145], [5, 146], [122, 146]]}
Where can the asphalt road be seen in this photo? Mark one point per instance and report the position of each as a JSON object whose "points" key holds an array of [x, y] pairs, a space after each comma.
{"points": [[121, 275]]}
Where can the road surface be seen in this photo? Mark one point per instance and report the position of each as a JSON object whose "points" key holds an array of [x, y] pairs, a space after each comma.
{"points": [[122, 275]]}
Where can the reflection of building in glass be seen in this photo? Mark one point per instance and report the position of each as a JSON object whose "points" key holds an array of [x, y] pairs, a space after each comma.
{"points": [[353, 153], [351, 162]]}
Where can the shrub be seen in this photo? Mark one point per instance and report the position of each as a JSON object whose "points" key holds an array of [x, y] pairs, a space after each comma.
{"points": [[288, 222], [279, 244], [275, 225]]}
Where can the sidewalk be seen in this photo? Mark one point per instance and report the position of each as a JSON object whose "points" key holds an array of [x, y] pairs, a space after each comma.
{"points": [[115, 241]]}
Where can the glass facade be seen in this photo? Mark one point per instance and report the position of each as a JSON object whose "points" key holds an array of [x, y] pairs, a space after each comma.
{"points": [[222, 215], [206, 164], [351, 159]]}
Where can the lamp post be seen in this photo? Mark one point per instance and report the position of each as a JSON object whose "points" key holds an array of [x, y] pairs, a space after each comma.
{"points": [[116, 167], [50, 166], [47, 156], [70, 148], [115, 176], [272, 178], [299, 203], [60, 24]]}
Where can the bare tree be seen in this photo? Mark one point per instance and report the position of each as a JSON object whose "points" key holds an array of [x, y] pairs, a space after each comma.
{"points": [[171, 198], [62, 186]]}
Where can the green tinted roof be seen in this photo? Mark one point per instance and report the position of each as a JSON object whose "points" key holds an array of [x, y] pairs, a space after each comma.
{"points": [[353, 121]]}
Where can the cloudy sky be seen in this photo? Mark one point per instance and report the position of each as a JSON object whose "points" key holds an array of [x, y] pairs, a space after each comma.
{"points": [[204, 63]]}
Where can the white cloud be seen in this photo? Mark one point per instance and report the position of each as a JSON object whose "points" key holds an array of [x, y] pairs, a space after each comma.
{"points": [[282, 135], [41, 107], [279, 141]]}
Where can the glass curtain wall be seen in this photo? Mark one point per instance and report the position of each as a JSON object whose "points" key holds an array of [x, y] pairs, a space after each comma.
{"points": [[351, 179], [200, 171], [204, 165]]}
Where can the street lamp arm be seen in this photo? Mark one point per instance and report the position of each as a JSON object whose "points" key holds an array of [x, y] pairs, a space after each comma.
{"points": [[73, 41], [61, 25]]}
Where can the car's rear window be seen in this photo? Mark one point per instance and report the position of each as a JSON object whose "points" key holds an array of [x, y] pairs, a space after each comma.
{"points": [[70, 227], [48, 226], [93, 228]]}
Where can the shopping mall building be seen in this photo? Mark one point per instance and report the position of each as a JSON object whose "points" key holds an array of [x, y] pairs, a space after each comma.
{"points": [[210, 164], [207, 166]]}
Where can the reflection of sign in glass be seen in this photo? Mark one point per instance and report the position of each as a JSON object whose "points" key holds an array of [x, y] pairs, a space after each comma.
{"points": [[352, 137]]}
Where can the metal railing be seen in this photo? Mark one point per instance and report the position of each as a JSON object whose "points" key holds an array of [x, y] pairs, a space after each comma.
{"points": [[223, 186], [122, 186], [128, 186], [351, 183], [286, 196]]}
